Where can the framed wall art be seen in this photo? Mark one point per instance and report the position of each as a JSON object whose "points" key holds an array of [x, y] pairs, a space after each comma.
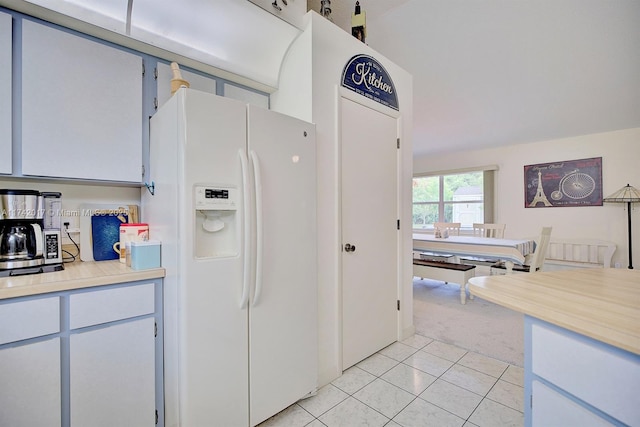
{"points": [[565, 183]]}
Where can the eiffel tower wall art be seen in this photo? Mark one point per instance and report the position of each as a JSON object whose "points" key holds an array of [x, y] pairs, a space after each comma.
{"points": [[566, 183]]}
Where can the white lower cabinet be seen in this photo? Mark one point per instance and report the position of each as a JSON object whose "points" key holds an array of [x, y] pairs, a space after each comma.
{"points": [[112, 375], [32, 318], [83, 358], [554, 408], [112, 350], [573, 380], [30, 380]]}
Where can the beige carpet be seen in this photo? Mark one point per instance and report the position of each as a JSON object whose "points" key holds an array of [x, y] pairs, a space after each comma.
{"points": [[479, 326]]}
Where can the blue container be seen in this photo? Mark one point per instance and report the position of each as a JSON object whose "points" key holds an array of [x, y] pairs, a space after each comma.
{"points": [[145, 255]]}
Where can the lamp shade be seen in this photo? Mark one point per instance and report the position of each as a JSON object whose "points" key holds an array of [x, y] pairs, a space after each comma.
{"points": [[626, 194]]}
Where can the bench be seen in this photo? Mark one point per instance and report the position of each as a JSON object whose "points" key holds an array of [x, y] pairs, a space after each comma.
{"points": [[446, 272], [565, 254], [432, 256]]}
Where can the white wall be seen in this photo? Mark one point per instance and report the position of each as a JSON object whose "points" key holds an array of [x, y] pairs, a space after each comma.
{"points": [[308, 89], [74, 195], [620, 152]]}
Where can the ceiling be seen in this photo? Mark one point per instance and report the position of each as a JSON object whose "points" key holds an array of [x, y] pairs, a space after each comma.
{"points": [[489, 73]]}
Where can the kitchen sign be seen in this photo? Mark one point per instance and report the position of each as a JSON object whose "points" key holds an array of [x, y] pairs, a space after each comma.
{"points": [[367, 77]]}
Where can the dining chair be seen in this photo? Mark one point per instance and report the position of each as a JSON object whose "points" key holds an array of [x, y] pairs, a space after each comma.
{"points": [[488, 230], [537, 259], [452, 227]]}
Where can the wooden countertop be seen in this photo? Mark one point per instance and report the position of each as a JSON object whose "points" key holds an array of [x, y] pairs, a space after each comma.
{"points": [[76, 275], [603, 304]]}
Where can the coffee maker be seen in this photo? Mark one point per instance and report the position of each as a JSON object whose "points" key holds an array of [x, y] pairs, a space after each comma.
{"points": [[25, 246]]}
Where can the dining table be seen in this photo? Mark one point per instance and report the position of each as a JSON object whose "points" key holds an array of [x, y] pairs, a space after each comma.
{"points": [[511, 251]]}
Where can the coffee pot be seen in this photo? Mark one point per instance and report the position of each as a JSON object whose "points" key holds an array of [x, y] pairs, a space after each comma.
{"points": [[14, 243], [21, 229], [21, 243]]}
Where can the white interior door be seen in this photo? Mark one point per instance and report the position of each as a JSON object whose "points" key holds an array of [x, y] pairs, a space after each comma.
{"points": [[369, 223]]}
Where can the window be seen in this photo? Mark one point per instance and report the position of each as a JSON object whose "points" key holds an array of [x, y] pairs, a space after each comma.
{"points": [[455, 197]]}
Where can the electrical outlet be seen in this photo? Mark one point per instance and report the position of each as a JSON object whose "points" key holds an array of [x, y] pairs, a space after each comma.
{"points": [[72, 230], [618, 265]]}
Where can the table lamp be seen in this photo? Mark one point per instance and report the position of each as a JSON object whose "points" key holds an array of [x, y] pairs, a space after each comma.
{"points": [[628, 195]]}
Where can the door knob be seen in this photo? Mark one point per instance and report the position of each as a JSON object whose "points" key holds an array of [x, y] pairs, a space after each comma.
{"points": [[349, 247]]}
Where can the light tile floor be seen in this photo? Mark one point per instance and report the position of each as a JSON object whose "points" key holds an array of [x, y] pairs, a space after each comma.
{"points": [[417, 382]]}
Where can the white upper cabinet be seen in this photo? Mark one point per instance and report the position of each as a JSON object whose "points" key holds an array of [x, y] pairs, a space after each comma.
{"points": [[81, 107], [5, 93]]}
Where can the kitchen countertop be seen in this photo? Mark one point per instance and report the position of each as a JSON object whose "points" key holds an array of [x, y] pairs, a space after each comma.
{"points": [[603, 304], [75, 275]]}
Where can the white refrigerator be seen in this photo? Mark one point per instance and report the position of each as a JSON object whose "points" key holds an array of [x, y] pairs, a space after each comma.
{"points": [[234, 205]]}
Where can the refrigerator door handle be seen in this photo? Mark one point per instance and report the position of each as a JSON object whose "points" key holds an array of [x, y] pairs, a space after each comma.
{"points": [[257, 176], [246, 201]]}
